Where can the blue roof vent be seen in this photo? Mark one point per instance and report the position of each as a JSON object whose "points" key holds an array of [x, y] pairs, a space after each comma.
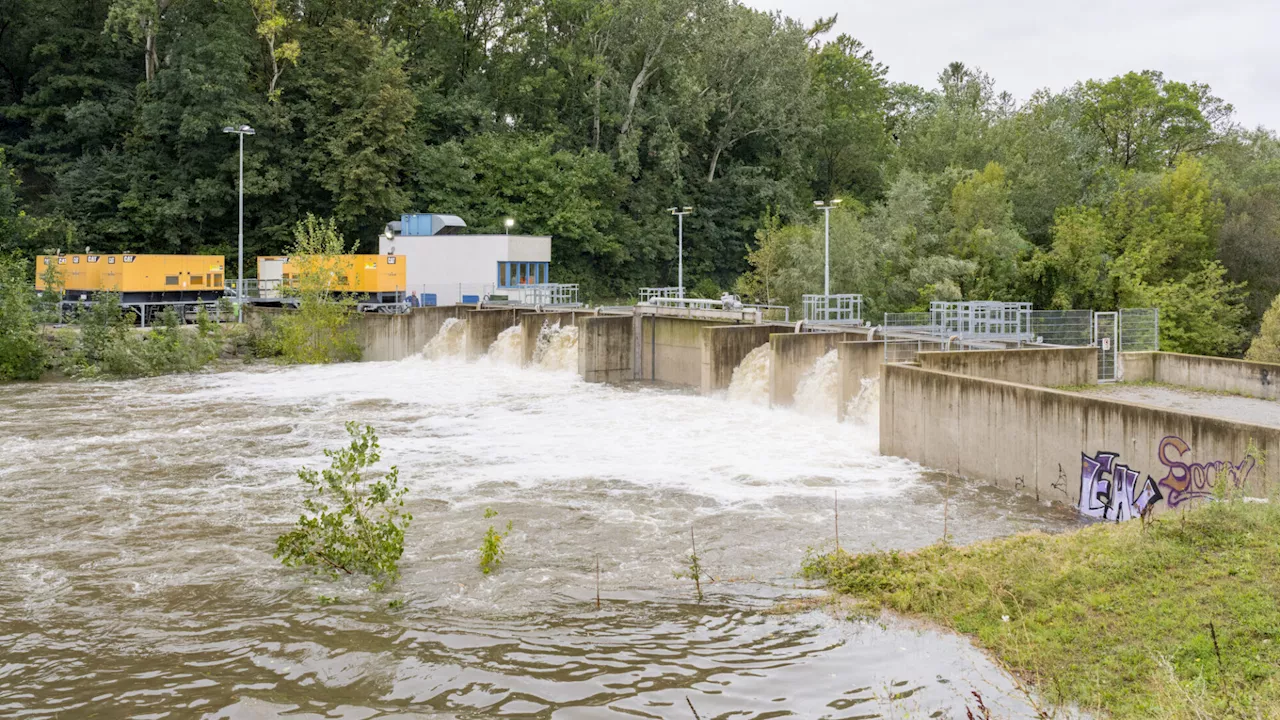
{"points": [[419, 224]]}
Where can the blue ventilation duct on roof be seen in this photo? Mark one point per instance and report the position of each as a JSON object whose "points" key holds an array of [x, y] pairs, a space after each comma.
{"points": [[420, 224]]}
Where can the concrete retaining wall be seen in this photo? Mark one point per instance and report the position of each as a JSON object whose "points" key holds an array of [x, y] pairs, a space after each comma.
{"points": [[793, 354], [605, 348], [723, 349], [383, 337], [531, 326], [484, 326], [1064, 447], [1261, 380], [1046, 367], [859, 360], [670, 349]]}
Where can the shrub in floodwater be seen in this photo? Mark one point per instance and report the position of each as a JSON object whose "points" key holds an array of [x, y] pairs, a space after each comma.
{"points": [[109, 344], [352, 524], [491, 551], [320, 329], [22, 354], [693, 566]]}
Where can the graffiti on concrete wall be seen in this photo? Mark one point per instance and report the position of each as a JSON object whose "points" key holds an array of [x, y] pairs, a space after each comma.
{"points": [[1111, 490], [1187, 481]]}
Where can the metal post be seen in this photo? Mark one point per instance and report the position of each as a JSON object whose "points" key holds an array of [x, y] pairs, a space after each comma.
{"points": [[240, 280], [826, 263], [680, 250]]}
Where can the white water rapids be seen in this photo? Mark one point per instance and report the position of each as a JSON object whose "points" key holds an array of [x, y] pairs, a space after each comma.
{"points": [[139, 519]]}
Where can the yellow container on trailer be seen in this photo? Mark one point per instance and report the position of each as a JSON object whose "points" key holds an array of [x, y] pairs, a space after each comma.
{"points": [[150, 274], [352, 273]]}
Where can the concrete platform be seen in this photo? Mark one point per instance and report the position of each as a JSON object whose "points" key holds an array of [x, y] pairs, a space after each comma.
{"points": [[1228, 407]]}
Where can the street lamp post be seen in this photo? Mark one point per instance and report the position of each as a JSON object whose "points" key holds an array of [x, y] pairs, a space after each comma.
{"points": [[507, 224], [241, 131], [826, 208], [680, 212]]}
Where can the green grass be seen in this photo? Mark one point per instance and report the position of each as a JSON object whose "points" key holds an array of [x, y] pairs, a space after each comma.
{"points": [[1113, 618]]}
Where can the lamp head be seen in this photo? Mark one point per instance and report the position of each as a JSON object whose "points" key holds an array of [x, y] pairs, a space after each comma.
{"points": [[509, 222]]}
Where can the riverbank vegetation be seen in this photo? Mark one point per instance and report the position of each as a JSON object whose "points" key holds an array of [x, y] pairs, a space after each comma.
{"points": [[352, 523], [1175, 618], [320, 330], [587, 120]]}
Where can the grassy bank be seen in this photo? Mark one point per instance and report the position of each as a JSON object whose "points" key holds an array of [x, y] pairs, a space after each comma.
{"points": [[1180, 619]]}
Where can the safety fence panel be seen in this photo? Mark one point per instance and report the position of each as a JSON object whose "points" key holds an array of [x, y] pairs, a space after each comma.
{"points": [[1139, 329], [1062, 327]]}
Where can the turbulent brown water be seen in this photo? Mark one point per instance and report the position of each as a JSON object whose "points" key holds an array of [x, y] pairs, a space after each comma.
{"points": [[138, 519]]}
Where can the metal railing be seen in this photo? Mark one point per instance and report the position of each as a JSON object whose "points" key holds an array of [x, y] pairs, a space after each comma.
{"points": [[653, 293], [1139, 330], [561, 294], [1062, 327], [844, 309], [766, 309], [982, 319], [908, 322]]}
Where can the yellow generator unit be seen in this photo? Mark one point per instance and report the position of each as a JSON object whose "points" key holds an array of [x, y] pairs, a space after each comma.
{"points": [[378, 278], [137, 278]]}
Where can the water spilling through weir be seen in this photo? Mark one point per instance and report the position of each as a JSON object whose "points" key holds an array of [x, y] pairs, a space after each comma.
{"points": [[139, 520]]}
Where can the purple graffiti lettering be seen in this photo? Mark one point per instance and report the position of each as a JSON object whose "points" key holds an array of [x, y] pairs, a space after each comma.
{"points": [[1110, 491], [1187, 481]]}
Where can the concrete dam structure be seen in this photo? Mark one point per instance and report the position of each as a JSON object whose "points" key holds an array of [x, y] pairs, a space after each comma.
{"points": [[1018, 414]]}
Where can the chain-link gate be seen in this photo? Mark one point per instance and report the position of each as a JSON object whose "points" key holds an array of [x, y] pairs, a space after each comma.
{"points": [[1106, 332]]}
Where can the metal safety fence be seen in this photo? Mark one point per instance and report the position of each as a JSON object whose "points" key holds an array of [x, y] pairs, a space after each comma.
{"points": [[1139, 330], [844, 309], [1062, 327]]}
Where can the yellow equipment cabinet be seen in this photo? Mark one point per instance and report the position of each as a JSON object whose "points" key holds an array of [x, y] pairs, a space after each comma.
{"points": [[138, 278], [379, 278]]}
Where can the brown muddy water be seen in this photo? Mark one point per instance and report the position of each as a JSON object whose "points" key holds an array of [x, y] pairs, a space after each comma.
{"points": [[138, 518]]}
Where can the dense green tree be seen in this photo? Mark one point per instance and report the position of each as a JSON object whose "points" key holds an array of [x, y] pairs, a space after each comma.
{"points": [[1266, 346]]}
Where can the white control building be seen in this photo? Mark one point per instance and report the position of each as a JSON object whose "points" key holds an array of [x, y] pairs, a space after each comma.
{"points": [[444, 266]]}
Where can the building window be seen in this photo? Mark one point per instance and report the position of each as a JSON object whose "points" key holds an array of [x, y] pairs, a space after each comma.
{"points": [[515, 274], [170, 279]]}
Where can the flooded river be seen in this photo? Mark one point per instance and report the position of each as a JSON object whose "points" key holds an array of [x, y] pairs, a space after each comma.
{"points": [[138, 519]]}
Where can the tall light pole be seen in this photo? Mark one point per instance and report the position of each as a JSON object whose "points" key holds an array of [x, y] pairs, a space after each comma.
{"points": [[241, 131], [507, 224], [680, 212], [826, 208]]}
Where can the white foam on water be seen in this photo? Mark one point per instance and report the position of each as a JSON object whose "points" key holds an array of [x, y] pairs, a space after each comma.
{"points": [[750, 381], [816, 394], [508, 348], [864, 408], [449, 341], [557, 348]]}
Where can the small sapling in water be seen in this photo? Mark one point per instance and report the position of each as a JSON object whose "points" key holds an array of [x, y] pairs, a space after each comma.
{"points": [[351, 524], [491, 551]]}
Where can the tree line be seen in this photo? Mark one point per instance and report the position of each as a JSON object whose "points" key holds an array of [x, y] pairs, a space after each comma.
{"points": [[585, 120]]}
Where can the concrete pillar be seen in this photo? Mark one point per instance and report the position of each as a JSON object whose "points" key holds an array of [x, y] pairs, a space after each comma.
{"points": [[793, 354], [723, 349], [606, 348], [859, 360]]}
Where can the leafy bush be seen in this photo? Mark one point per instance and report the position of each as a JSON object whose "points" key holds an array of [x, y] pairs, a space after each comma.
{"points": [[351, 524], [320, 330], [1266, 346], [22, 354], [491, 551], [109, 345]]}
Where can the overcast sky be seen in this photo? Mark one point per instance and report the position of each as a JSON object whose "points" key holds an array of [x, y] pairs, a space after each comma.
{"points": [[1233, 45]]}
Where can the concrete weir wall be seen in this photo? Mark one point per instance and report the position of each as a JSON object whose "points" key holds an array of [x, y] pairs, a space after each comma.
{"points": [[724, 347], [1261, 380], [669, 349], [793, 354], [606, 348], [858, 361], [531, 326], [484, 326], [1109, 459], [395, 337], [1046, 367]]}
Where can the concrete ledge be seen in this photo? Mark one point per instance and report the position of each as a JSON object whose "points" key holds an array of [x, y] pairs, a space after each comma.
{"points": [[484, 326], [670, 348], [1064, 447], [1046, 367], [724, 347], [1255, 379], [531, 327], [859, 360], [793, 354], [605, 347]]}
